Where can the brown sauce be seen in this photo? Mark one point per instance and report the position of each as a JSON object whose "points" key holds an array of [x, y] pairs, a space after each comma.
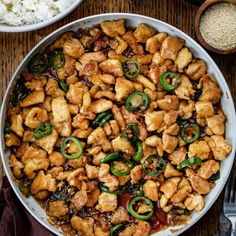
{"points": [[159, 220], [124, 199]]}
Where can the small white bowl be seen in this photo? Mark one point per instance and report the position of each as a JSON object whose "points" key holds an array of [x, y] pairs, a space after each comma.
{"points": [[31, 27]]}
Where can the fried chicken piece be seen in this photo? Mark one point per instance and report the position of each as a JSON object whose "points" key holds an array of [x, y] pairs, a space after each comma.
{"points": [[79, 200], [170, 171], [208, 168], [143, 228], [169, 187], [16, 165], [199, 149], [143, 32], [113, 28], [83, 226], [120, 144], [98, 137], [120, 45], [107, 202], [204, 109], [187, 107], [112, 66], [73, 48], [170, 47], [194, 202], [136, 174], [17, 124], [109, 180], [75, 94], [33, 98], [123, 87], [219, 147], [199, 184], [12, 139], [185, 88], [216, 124], [91, 171], [150, 189], [169, 143], [43, 182], [101, 105], [210, 90], [184, 57], [93, 197], [121, 215], [60, 110], [154, 43], [132, 42], [52, 89], [178, 156], [48, 142], [57, 209], [35, 117], [196, 69], [154, 120], [34, 159], [170, 102]]}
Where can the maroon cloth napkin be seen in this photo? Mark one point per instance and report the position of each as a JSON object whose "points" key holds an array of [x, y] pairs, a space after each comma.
{"points": [[15, 219]]}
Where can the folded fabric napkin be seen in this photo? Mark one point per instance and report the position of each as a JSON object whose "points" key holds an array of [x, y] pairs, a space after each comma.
{"points": [[15, 219]]}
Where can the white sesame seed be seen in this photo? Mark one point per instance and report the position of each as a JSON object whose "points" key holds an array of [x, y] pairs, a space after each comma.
{"points": [[218, 25]]}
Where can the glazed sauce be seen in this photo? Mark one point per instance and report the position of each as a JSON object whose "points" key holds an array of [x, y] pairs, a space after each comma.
{"points": [[124, 199], [159, 220]]}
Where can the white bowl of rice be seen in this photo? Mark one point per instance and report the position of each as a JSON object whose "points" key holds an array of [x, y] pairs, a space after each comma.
{"points": [[29, 15]]}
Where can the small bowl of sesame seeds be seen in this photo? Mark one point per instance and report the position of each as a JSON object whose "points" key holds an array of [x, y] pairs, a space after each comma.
{"points": [[215, 26]]}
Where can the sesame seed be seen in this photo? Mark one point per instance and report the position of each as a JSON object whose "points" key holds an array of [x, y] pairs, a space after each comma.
{"points": [[218, 25]]}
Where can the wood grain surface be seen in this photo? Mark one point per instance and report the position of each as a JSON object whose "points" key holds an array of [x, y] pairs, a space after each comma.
{"points": [[14, 46]]}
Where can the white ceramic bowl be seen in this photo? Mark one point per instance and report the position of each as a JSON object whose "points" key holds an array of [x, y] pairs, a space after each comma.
{"points": [[31, 27], [132, 20]]}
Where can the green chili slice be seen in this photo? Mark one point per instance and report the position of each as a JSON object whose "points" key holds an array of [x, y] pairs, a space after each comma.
{"points": [[137, 102], [135, 131], [141, 208], [57, 59], [123, 134], [215, 176], [63, 85], [135, 189], [101, 119], [7, 129], [180, 211], [19, 92], [106, 190], [117, 167], [138, 155], [110, 157], [154, 165], [188, 162], [43, 130], [131, 68], [197, 92], [169, 80], [38, 64], [190, 132], [64, 193], [24, 187], [65, 145], [115, 229]]}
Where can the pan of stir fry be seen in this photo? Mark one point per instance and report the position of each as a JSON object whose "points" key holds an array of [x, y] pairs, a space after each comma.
{"points": [[117, 124]]}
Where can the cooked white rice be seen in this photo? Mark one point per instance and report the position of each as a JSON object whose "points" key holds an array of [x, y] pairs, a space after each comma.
{"points": [[23, 12]]}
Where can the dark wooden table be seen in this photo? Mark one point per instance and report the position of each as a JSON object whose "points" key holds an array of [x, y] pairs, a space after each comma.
{"points": [[13, 48]]}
